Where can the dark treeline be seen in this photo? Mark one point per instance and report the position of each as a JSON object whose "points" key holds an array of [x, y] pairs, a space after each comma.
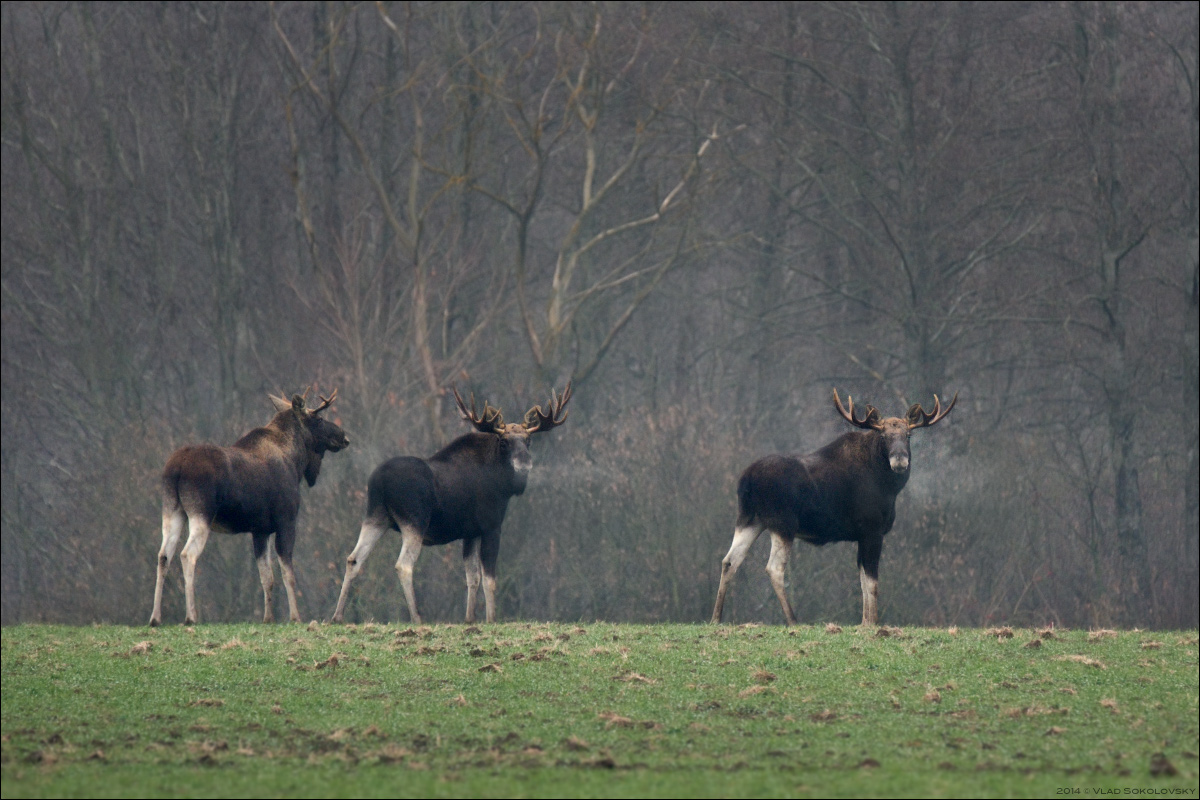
{"points": [[709, 215]]}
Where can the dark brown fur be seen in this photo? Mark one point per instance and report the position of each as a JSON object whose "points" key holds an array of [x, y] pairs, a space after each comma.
{"points": [[250, 487], [459, 493], [844, 492]]}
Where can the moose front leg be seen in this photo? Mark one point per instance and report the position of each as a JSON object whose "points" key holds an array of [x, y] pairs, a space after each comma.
{"points": [[473, 567], [489, 554], [285, 540], [266, 574], [869, 551]]}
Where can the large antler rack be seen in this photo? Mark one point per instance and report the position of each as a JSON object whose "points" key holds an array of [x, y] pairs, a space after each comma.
{"points": [[325, 402], [869, 422], [491, 421], [539, 421], [917, 417]]}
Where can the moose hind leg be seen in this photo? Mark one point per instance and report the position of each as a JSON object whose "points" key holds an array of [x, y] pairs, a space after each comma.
{"points": [[743, 537], [781, 548], [869, 551], [368, 536], [173, 522], [198, 529], [410, 551], [266, 574], [473, 568]]}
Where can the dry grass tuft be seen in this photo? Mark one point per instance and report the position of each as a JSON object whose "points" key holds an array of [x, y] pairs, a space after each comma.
{"points": [[1090, 662], [762, 676], [332, 661], [629, 676], [614, 720]]}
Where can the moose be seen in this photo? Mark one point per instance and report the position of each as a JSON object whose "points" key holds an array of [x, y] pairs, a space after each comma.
{"points": [[844, 492], [461, 492], [251, 487]]}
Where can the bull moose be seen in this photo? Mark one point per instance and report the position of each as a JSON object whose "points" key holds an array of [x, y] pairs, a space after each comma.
{"points": [[459, 493], [844, 492], [251, 487]]}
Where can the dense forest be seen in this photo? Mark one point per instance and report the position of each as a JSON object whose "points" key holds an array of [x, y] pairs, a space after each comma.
{"points": [[705, 215]]}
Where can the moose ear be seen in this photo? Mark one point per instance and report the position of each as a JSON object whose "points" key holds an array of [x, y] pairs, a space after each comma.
{"points": [[279, 403], [913, 417], [298, 407]]}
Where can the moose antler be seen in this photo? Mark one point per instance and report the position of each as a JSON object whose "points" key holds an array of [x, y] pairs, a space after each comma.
{"points": [[491, 421], [325, 402], [870, 421], [917, 417], [538, 421]]}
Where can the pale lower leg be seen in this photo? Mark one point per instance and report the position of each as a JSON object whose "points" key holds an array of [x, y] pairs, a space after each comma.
{"points": [[777, 569], [410, 550], [742, 539], [368, 535], [197, 538], [266, 576], [473, 568], [870, 592], [289, 583], [489, 596], [172, 531]]}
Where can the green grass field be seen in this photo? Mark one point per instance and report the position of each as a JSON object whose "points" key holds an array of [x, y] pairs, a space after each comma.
{"points": [[526, 709]]}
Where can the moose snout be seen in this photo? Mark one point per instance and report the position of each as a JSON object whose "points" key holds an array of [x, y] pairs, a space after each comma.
{"points": [[899, 464]]}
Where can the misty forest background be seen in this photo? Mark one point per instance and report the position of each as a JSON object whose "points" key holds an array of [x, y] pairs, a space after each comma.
{"points": [[708, 214]]}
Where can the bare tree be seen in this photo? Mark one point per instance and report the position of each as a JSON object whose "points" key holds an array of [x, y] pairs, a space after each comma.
{"points": [[601, 175]]}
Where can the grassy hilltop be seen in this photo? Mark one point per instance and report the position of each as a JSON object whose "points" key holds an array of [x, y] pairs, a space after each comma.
{"points": [[528, 709]]}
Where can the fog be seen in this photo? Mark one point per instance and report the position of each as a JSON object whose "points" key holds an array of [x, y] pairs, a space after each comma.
{"points": [[706, 215]]}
